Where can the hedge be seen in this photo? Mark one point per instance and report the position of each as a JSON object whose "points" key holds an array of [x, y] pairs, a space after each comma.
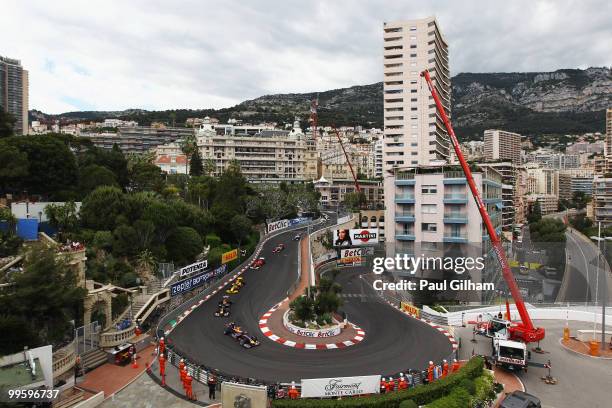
{"points": [[421, 395]]}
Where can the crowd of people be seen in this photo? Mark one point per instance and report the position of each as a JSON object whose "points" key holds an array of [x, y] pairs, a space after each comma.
{"points": [[72, 246]]}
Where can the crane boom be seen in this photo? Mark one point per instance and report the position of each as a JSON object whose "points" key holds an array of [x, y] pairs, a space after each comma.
{"points": [[524, 331], [347, 159]]}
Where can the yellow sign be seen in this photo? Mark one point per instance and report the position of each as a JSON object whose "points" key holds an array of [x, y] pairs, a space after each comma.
{"points": [[229, 256], [413, 310]]}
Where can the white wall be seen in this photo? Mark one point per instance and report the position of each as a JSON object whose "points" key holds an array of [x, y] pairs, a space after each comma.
{"points": [[34, 210]]}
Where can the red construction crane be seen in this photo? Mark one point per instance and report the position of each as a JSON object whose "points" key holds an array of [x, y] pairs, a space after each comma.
{"points": [[524, 330], [314, 117], [357, 187]]}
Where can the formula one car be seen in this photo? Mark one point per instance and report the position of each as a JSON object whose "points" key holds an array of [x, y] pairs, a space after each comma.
{"points": [[258, 263], [297, 237], [278, 248], [245, 339], [224, 307], [236, 285]]}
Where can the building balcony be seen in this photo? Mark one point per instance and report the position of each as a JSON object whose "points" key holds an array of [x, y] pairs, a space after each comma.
{"points": [[404, 199], [455, 199], [493, 200], [404, 216], [455, 238], [404, 237], [455, 218], [404, 182], [457, 180]]}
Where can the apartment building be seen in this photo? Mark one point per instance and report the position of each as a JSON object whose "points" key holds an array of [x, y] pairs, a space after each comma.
{"points": [[549, 203], [378, 159], [414, 134], [502, 145], [264, 155], [137, 139], [433, 214], [333, 192], [602, 200], [14, 93], [510, 198], [542, 180]]}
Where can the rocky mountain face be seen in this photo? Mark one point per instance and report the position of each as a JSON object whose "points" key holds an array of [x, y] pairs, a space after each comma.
{"points": [[566, 101]]}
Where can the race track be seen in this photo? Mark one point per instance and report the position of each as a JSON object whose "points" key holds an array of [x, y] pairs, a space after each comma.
{"points": [[393, 342]]}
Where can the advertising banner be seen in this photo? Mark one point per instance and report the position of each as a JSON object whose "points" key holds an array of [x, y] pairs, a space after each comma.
{"points": [[229, 256], [277, 225], [194, 281], [413, 310], [193, 268], [355, 237], [282, 224], [340, 386]]}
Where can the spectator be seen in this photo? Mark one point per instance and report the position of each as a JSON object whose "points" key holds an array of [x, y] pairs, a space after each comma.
{"points": [[212, 386]]}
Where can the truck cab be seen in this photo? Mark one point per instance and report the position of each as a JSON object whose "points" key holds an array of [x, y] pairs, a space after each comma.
{"points": [[510, 354]]}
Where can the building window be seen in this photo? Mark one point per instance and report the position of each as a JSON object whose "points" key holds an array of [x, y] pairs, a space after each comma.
{"points": [[413, 55], [429, 189], [413, 46], [414, 162], [429, 227], [429, 208], [413, 28]]}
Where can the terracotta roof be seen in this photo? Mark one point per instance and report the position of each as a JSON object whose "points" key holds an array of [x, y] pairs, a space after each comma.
{"points": [[165, 159]]}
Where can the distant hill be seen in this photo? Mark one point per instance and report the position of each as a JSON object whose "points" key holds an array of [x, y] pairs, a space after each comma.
{"points": [[532, 103]]}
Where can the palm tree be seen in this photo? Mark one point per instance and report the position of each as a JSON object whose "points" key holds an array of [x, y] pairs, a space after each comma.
{"points": [[146, 264]]}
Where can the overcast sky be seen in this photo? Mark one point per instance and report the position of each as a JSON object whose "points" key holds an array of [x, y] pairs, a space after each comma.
{"points": [[153, 54]]}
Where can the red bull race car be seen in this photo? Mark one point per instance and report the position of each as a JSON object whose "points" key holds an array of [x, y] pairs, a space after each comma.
{"points": [[242, 336], [224, 307]]}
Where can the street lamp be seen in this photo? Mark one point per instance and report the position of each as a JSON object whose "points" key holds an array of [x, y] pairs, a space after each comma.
{"points": [[604, 286]]}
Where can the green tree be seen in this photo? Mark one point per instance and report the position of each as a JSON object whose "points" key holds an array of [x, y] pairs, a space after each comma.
{"points": [[355, 201], [7, 124], [535, 214], [14, 167], [165, 218], [124, 241], [45, 295], [94, 176], [580, 199], [303, 309], [63, 217], [209, 166], [196, 168], [21, 334], [146, 177], [241, 227], [189, 145], [184, 244], [52, 168], [102, 207]]}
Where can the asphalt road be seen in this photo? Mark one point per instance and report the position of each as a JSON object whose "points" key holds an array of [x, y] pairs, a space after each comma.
{"points": [[582, 381], [393, 342], [582, 268]]}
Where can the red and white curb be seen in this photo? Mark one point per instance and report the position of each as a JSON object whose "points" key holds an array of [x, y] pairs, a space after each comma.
{"points": [[263, 326], [439, 328]]}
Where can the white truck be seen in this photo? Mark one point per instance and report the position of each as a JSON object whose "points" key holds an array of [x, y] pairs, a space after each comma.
{"points": [[510, 354]]}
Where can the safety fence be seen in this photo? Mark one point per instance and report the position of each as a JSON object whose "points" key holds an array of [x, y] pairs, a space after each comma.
{"points": [[415, 376]]}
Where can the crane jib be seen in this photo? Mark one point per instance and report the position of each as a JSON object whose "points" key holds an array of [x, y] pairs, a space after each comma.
{"points": [[526, 331]]}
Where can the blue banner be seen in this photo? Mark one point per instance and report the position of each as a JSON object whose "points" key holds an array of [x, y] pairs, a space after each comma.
{"points": [[195, 281]]}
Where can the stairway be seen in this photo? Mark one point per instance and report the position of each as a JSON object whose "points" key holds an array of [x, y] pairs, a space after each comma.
{"points": [[139, 301], [92, 359]]}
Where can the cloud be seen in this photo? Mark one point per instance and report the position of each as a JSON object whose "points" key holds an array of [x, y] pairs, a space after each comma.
{"points": [[153, 54]]}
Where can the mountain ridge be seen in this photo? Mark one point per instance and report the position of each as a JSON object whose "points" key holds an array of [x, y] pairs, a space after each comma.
{"points": [[531, 103]]}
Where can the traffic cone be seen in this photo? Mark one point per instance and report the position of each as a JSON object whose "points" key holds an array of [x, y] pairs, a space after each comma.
{"points": [[134, 362]]}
